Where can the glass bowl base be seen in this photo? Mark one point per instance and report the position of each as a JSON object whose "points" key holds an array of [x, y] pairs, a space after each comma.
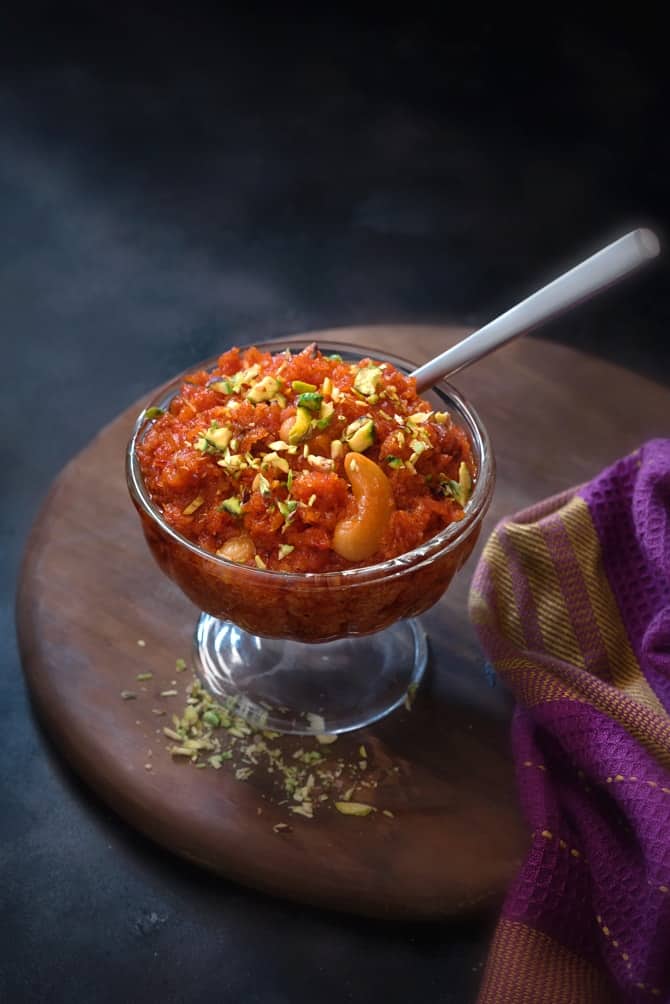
{"points": [[308, 689]]}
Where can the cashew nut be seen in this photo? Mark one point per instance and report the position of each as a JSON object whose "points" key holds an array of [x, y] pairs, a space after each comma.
{"points": [[286, 427], [357, 537], [240, 549]]}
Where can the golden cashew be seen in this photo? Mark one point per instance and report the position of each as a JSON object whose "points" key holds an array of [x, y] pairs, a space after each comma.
{"points": [[240, 549], [357, 537]]}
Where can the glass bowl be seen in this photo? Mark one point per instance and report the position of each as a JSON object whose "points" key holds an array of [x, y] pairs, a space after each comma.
{"points": [[315, 652]]}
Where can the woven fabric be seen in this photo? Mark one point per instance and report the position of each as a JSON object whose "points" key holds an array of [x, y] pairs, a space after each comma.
{"points": [[571, 601]]}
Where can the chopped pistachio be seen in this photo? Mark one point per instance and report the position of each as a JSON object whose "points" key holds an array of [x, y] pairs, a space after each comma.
{"points": [[464, 483], [180, 665], [311, 500], [311, 401], [387, 812], [335, 357], [304, 809], [169, 693], [336, 449], [231, 505], [410, 695], [262, 485], [366, 380], [222, 386], [273, 460], [263, 390], [190, 716], [288, 508], [362, 752], [325, 415], [246, 376], [460, 490], [192, 506], [279, 445], [128, 695], [360, 434], [394, 462], [418, 446], [215, 440], [419, 418], [325, 738], [233, 462], [183, 751], [301, 425], [219, 438], [144, 676], [354, 808], [285, 549], [152, 413], [259, 561], [442, 417], [326, 387], [211, 718]]}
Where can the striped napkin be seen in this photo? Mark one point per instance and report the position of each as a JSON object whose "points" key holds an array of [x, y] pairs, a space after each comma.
{"points": [[571, 601]]}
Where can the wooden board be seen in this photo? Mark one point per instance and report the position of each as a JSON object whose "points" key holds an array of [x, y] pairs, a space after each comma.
{"points": [[89, 590]]}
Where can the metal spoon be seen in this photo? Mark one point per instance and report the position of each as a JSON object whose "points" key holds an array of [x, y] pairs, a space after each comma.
{"points": [[583, 281]]}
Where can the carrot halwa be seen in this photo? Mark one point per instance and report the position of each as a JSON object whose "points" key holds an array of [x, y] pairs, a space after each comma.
{"points": [[250, 460]]}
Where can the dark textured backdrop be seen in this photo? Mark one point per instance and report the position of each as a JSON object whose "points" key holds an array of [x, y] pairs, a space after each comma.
{"points": [[172, 183]]}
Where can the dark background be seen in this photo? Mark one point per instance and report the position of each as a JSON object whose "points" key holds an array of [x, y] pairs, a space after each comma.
{"points": [[176, 181]]}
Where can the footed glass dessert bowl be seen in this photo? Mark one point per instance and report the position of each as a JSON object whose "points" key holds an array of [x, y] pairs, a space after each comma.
{"points": [[314, 652]]}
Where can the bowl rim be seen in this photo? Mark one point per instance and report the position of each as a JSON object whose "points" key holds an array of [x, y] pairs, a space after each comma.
{"points": [[441, 543]]}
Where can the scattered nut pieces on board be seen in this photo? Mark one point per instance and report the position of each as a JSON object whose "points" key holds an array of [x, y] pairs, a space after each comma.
{"points": [[306, 774]]}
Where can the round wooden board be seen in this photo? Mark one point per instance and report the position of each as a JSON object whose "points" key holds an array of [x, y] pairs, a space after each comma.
{"points": [[89, 590]]}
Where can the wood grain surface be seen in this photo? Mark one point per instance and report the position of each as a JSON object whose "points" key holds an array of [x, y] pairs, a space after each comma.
{"points": [[89, 590]]}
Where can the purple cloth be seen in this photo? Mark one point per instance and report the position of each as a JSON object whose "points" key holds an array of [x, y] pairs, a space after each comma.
{"points": [[571, 600]]}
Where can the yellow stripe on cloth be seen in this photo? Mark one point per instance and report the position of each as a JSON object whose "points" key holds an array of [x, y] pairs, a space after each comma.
{"points": [[551, 610], [528, 967], [528, 590], [625, 671], [534, 683], [508, 613]]}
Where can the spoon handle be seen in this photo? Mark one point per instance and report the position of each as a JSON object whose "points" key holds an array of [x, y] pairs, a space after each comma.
{"points": [[602, 269]]}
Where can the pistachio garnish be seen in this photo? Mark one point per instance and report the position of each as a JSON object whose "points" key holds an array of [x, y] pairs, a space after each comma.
{"points": [[367, 379], [193, 506], [355, 808]]}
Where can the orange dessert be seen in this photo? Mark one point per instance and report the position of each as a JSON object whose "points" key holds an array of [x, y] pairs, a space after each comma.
{"points": [[305, 462], [300, 495]]}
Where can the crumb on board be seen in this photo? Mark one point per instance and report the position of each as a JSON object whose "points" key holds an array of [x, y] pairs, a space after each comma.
{"points": [[302, 781]]}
